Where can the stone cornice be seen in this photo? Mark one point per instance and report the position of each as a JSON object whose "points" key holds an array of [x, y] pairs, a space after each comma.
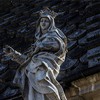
{"points": [[84, 86]]}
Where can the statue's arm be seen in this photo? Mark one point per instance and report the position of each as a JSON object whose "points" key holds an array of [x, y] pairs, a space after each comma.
{"points": [[18, 57], [14, 55]]}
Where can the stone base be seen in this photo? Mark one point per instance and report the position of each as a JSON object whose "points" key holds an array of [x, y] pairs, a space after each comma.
{"points": [[87, 88]]}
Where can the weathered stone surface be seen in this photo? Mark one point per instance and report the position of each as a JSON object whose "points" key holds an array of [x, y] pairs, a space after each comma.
{"points": [[69, 63], [84, 59], [93, 52], [93, 43], [93, 35], [12, 93], [83, 41], [78, 34], [77, 52], [93, 27], [71, 45], [93, 19], [94, 62]]}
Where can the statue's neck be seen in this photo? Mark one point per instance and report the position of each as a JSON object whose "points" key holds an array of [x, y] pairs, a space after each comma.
{"points": [[44, 31]]}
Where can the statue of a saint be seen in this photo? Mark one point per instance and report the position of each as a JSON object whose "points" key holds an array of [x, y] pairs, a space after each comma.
{"points": [[38, 70]]}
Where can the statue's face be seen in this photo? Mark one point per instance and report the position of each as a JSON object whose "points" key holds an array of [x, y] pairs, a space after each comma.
{"points": [[44, 23]]}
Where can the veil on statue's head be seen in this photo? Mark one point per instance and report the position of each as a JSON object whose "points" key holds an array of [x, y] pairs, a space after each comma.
{"points": [[47, 13]]}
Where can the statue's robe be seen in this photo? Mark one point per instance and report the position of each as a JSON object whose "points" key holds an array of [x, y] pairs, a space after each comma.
{"points": [[37, 75]]}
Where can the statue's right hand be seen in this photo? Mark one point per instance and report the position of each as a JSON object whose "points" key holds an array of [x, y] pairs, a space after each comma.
{"points": [[8, 50]]}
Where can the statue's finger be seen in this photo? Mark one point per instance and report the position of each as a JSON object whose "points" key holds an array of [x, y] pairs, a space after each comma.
{"points": [[7, 46]]}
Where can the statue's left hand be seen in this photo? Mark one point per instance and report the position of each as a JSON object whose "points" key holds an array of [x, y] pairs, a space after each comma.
{"points": [[9, 51]]}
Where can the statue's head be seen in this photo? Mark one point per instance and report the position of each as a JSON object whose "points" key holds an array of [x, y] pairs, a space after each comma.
{"points": [[44, 23], [46, 20]]}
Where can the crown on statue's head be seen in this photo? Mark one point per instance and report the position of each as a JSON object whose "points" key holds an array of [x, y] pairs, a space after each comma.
{"points": [[47, 12]]}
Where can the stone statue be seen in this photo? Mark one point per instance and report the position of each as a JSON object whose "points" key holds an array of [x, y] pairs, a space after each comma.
{"points": [[38, 70]]}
